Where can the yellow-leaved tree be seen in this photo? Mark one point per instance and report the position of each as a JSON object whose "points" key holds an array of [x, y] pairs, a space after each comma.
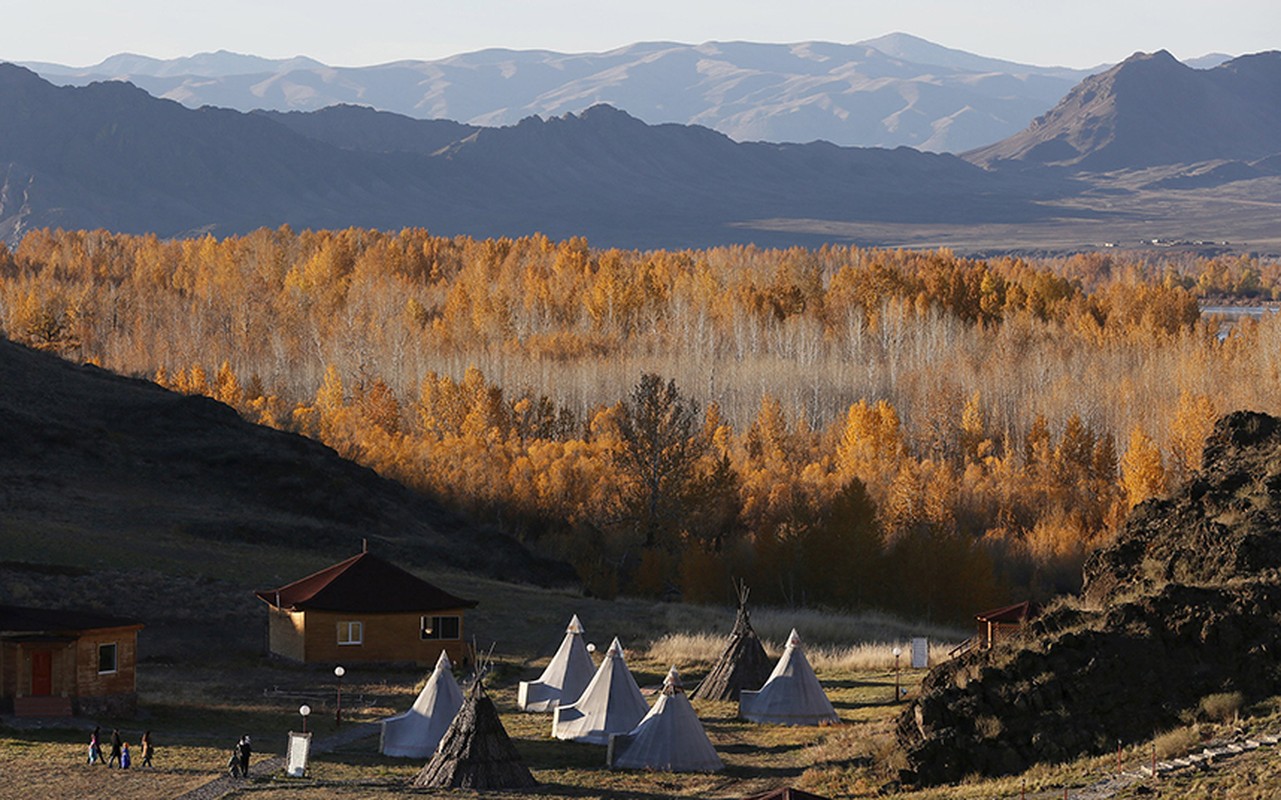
{"points": [[1142, 469]]}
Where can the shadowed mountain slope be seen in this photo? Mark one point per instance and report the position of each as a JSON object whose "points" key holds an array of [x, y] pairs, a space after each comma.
{"points": [[94, 456], [1152, 110]]}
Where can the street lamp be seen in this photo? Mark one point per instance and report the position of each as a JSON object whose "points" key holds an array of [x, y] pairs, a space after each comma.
{"points": [[339, 672], [304, 710], [898, 651]]}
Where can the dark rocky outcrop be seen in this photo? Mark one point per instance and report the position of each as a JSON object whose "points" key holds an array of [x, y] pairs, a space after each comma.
{"points": [[1186, 602]]}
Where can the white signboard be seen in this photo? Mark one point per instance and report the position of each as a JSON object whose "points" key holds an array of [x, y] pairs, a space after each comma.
{"points": [[296, 754], [920, 652]]}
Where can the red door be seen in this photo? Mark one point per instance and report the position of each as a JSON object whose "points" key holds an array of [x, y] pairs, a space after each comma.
{"points": [[41, 673]]}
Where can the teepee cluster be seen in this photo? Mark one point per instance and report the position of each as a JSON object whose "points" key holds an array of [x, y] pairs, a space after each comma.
{"points": [[469, 748]]}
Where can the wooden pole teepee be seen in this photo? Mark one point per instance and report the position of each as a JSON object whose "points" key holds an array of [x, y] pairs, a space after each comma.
{"points": [[742, 664], [476, 752]]}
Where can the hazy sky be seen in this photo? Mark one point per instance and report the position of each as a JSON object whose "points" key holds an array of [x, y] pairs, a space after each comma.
{"points": [[1076, 33]]}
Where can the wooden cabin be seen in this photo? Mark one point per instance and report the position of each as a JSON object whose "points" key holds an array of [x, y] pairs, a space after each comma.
{"points": [[365, 609], [1000, 623], [59, 663]]}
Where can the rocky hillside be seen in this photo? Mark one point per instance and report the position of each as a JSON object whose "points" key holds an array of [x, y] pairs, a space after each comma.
{"points": [[1185, 603]]}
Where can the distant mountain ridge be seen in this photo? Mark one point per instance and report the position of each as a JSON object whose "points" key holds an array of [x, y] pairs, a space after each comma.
{"points": [[109, 155], [890, 91], [1153, 110]]}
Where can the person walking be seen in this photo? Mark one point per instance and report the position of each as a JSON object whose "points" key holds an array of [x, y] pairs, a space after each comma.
{"points": [[148, 749], [116, 741], [245, 751], [125, 761], [95, 746]]}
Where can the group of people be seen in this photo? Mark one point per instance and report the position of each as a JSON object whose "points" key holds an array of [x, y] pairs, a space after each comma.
{"points": [[120, 756], [237, 764]]}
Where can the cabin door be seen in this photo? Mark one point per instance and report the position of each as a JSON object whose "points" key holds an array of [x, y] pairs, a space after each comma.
{"points": [[41, 673]]}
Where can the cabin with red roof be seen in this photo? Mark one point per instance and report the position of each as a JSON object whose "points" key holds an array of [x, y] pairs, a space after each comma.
{"points": [[1001, 623], [59, 663], [364, 609]]}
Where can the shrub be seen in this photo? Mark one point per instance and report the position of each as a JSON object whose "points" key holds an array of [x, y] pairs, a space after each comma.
{"points": [[1176, 742], [1222, 707]]}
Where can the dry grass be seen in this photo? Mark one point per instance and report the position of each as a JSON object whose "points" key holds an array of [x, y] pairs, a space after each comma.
{"points": [[834, 642]]}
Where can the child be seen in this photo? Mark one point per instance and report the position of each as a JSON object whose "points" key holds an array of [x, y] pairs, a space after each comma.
{"points": [[95, 747], [124, 755]]}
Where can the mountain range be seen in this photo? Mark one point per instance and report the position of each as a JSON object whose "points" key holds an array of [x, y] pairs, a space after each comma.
{"points": [[110, 155], [891, 91]]}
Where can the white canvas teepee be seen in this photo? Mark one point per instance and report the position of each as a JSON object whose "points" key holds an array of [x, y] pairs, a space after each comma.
{"points": [[669, 738], [564, 679], [792, 695], [415, 733], [611, 703]]}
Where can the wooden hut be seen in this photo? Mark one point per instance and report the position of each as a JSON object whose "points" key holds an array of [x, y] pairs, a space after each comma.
{"points": [[56, 663], [365, 609], [742, 664], [1000, 623], [476, 752]]}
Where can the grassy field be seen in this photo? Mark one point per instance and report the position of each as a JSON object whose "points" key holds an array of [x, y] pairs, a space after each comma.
{"points": [[203, 683]]}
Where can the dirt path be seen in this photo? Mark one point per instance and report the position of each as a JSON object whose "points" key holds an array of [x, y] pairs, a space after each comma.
{"points": [[225, 784]]}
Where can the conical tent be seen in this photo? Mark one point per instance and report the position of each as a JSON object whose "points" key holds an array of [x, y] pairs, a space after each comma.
{"points": [[611, 703], [792, 695], [415, 733], [564, 679], [669, 738], [476, 752], [742, 664]]}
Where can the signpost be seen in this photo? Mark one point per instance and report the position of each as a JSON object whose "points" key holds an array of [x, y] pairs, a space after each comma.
{"points": [[296, 753]]}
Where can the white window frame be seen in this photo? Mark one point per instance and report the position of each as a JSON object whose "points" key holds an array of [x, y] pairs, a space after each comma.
{"points": [[351, 633], [115, 660]]}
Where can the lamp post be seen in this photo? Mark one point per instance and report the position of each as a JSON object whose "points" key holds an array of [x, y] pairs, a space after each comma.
{"points": [[304, 710], [898, 651], [338, 673]]}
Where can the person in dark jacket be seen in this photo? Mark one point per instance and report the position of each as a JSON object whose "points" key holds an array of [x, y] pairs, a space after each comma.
{"points": [[245, 751], [116, 741]]}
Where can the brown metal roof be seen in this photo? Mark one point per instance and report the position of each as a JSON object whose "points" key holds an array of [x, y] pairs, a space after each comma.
{"points": [[21, 620], [1015, 613], [363, 583]]}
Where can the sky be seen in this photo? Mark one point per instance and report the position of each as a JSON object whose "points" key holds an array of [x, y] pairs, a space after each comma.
{"points": [[1072, 33]]}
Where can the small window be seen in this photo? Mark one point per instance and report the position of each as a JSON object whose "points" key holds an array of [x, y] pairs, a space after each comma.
{"points": [[441, 627], [106, 658], [351, 633]]}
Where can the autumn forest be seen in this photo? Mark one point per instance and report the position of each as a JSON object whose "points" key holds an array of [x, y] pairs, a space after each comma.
{"points": [[847, 427]]}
